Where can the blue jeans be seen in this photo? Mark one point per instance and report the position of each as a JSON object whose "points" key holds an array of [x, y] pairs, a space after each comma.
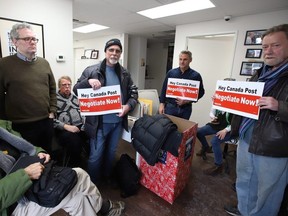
{"points": [[202, 132], [181, 112], [260, 182], [102, 151]]}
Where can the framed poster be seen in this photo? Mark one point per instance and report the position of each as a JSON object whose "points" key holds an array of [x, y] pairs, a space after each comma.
{"points": [[253, 37], [7, 47], [94, 54], [248, 68], [87, 53], [253, 53]]}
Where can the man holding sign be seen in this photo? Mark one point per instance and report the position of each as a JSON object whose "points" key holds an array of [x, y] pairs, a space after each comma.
{"points": [[104, 130], [262, 154], [182, 86]]}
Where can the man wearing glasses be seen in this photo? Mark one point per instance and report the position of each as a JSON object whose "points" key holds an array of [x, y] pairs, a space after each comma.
{"points": [[28, 89], [104, 131]]}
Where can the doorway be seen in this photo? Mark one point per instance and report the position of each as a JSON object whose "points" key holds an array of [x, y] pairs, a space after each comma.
{"points": [[213, 57]]}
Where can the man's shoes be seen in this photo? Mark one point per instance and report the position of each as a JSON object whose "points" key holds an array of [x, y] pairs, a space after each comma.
{"points": [[232, 210], [214, 170], [116, 208]]}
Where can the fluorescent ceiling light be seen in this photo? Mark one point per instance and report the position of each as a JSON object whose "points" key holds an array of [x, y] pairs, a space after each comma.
{"points": [[90, 28], [180, 7]]}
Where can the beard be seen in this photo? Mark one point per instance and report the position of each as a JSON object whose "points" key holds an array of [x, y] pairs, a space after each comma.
{"points": [[113, 61]]}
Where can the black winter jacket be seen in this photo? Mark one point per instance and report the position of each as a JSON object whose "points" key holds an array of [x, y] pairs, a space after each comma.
{"points": [[97, 71], [270, 133], [151, 134]]}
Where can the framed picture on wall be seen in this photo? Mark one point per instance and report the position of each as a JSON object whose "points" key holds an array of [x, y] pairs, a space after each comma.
{"points": [[7, 47], [94, 54], [87, 53], [249, 68], [253, 37], [253, 53]]}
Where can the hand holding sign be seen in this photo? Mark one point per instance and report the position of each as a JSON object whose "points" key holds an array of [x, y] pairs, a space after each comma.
{"points": [[95, 83], [268, 103]]}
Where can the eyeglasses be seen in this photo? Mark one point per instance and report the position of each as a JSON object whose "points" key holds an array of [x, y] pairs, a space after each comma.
{"points": [[29, 39], [114, 50], [66, 85]]}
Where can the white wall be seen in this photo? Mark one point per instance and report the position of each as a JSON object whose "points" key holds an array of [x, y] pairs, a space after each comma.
{"points": [[56, 18], [137, 60], [97, 44], [239, 25]]}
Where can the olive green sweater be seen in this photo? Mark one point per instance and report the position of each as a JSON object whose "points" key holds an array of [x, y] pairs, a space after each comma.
{"points": [[27, 90]]}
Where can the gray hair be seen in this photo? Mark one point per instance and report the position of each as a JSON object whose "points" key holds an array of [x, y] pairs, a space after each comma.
{"points": [[280, 28], [65, 78], [186, 52], [14, 31]]}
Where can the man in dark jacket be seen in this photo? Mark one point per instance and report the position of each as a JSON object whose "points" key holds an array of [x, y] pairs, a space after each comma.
{"points": [[262, 154], [104, 131], [178, 106]]}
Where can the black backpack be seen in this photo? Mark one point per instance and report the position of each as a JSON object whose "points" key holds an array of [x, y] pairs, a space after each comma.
{"points": [[127, 175], [53, 186]]}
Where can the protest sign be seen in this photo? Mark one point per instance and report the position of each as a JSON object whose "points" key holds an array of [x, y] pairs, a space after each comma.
{"points": [[183, 88], [101, 101], [239, 97]]}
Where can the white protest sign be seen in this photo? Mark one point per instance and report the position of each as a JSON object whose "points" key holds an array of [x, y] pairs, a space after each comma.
{"points": [[238, 97], [101, 101], [182, 88]]}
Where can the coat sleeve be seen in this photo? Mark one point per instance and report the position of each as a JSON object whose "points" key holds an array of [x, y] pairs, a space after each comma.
{"points": [[201, 87], [164, 88], [283, 111], [132, 94], [82, 82], [12, 187]]}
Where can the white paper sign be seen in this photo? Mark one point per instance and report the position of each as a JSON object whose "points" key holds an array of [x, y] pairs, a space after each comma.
{"points": [[101, 101], [238, 97]]}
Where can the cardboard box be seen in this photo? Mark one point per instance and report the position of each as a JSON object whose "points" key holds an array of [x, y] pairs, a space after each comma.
{"points": [[169, 177]]}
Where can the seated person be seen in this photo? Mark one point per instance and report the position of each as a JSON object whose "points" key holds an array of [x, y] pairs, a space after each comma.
{"points": [[69, 122], [83, 199], [220, 126]]}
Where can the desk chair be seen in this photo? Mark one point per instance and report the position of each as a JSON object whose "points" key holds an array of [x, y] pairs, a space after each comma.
{"points": [[230, 153]]}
